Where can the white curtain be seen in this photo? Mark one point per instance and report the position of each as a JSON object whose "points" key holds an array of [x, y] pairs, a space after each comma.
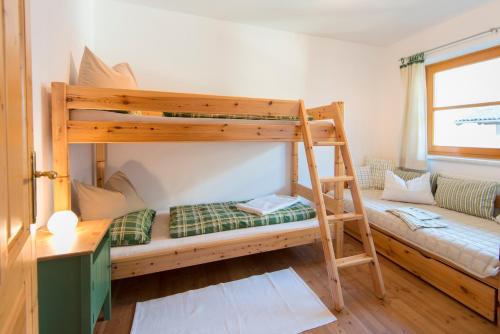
{"points": [[414, 145]]}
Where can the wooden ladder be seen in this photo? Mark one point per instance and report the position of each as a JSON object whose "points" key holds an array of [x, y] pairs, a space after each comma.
{"points": [[369, 255]]}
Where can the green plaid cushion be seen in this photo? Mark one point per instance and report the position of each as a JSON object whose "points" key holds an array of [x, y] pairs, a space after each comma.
{"points": [[235, 116], [221, 116], [408, 174], [132, 229], [471, 197], [189, 220]]}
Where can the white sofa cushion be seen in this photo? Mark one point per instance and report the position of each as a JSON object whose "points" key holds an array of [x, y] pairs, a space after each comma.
{"points": [[417, 190]]}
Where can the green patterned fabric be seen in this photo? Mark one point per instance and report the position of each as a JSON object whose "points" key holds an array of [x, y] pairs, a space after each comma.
{"points": [[408, 174], [132, 229], [364, 179], [414, 59], [467, 196], [189, 220], [378, 167], [225, 116], [202, 115]]}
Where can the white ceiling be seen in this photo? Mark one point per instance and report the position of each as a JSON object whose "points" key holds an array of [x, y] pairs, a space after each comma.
{"points": [[376, 22]]}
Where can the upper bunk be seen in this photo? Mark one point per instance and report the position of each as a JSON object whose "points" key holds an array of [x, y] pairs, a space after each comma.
{"points": [[162, 117]]}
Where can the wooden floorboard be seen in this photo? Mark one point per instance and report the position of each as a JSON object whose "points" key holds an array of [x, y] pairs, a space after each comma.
{"points": [[410, 306]]}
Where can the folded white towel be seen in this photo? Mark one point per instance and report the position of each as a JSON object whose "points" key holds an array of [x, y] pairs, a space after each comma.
{"points": [[417, 218], [268, 204], [419, 213]]}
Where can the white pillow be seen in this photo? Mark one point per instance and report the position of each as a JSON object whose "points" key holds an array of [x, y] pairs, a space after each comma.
{"points": [[95, 73], [120, 183], [416, 190], [97, 203]]}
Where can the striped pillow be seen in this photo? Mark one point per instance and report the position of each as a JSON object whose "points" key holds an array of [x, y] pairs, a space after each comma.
{"points": [[132, 229], [363, 174], [408, 174], [467, 196], [378, 167]]}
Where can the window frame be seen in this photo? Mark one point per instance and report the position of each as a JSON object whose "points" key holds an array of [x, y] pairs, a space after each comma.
{"points": [[430, 71]]}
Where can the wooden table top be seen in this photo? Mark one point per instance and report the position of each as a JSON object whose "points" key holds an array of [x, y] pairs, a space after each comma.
{"points": [[87, 236]]}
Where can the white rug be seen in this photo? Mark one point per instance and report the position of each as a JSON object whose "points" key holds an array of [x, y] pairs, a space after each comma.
{"points": [[277, 302]]}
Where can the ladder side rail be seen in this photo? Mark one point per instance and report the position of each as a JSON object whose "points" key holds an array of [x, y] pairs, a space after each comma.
{"points": [[339, 170], [326, 239], [364, 227]]}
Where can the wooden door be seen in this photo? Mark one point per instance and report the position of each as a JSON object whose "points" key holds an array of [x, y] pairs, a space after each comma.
{"points": [[18, 301]]}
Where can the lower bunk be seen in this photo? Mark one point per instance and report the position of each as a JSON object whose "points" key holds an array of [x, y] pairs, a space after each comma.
{"points": [[165, 253]]}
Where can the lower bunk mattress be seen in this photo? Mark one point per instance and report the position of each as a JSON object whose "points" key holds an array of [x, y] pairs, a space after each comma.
{"points": [[469, 242], [161, 240]]}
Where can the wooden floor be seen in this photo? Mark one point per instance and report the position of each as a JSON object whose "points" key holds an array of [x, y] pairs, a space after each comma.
{"points": [[410, 306]]}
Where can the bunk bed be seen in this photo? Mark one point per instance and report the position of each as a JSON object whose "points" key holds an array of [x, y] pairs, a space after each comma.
{"points": [[230, 119], [236, 119]]}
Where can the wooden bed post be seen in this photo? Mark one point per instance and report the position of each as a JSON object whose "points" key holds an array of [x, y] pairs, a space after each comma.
{"points": [[295, 167], [100, 164], [339, 170], [60, 148]]}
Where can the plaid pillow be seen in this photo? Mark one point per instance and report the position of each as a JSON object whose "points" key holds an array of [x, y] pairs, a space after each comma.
{"points": [[377, 171], [363, 174], [132, 229], [408, 174], [475, 198]]}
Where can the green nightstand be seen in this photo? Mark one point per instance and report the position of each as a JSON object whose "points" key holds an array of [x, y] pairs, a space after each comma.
{"points": [[74, 278]]}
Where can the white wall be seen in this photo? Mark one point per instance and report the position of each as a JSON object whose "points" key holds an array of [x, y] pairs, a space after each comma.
{"points": [[59, 30], [176, 52], [392, 95]]}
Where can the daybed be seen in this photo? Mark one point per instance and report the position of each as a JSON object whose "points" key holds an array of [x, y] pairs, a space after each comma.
{"points": [[461, 260]]}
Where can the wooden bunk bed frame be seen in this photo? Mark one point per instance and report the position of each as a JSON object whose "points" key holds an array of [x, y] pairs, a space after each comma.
{"points": [[481, 295], [65, 132]]}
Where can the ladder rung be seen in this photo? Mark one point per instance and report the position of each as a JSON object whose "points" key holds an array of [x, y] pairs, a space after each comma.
{"points": [[336, 179], [345, 217], [354, 260], [329, 143]]}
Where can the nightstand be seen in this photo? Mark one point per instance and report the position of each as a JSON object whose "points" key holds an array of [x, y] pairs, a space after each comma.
{"points": [[74, 278]]}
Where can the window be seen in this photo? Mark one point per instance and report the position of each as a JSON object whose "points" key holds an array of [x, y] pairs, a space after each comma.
{"points": [[463, 105]]}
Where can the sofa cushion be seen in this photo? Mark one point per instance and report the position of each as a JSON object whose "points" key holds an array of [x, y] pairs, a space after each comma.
{"points": [[408, 174], [467, 196], [378, 167], [415, 190], [364, 177]]}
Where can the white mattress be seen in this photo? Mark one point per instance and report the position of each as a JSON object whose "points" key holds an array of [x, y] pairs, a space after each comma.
{"points": [[160, 239], [469, 242]]}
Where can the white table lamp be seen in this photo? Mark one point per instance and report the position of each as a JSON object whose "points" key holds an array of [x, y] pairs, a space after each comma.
{"points": [[62, 222]]}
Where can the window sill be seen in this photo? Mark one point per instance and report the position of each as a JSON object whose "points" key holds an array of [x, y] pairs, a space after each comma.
{"points": [[471, 161]]}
